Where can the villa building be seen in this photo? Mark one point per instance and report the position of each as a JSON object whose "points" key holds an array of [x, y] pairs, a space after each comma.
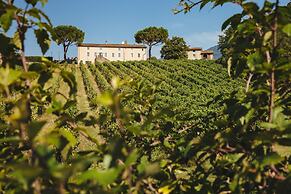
{"points": [[198, 53], [111, 52]]}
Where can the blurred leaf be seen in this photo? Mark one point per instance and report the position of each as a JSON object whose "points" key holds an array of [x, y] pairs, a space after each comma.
{"points": [[233, 21], [268, 35], [8, 76], [43, 39], [32, 2], [271, 159], [132, 158], [103, 177], [69, 78], [166, 189], [106, 99], [17, 40], [107, 161], [10, 139], [287, 29], [34, 127], [255, 60], [7, 18]]}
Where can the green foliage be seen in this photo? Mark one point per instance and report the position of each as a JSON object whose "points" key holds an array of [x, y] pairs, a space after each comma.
{"points": [[251, 135], [68, 35], [175, 48], [151, 36], [174, 126]]}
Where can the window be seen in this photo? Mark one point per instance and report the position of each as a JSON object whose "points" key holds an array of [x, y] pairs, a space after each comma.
{"points": [[112, 54], [100, 54], [131, 54], [95, 54], [119, 55], [88, 48], [100, 49], [119, 49], [105, 54], [138, 55], [88, 54], [141, 49]]}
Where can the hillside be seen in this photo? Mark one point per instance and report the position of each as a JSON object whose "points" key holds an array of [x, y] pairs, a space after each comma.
{"points": [[217, 53]]}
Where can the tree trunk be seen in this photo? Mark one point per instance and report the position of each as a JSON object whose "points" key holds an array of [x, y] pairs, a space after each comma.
{"points": [[272, 73], [272, 95], [65, 52], [150, 52]]}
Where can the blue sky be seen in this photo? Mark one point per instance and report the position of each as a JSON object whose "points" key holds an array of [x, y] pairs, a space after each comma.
{"points": [[118, 20]]}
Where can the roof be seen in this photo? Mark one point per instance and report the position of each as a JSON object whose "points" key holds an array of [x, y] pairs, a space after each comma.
{"points": [[112, 45], [195, 49], [207, 52]]}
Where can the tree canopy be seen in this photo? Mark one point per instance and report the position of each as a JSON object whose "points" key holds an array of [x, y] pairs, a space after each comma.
{"points": [[151, 36], [68, 35], [175, 48]]}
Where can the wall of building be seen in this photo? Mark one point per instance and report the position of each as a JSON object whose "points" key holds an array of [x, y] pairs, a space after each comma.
{"points": [[112, 54], [194, 54]]}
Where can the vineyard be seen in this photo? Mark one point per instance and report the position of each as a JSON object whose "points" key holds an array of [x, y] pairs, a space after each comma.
{"points": [[155, 126], [186, 87]]}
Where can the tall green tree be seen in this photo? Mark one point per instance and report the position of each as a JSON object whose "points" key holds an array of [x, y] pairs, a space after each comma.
{"points": [[151, 36], [67, 36], [175, 48]]}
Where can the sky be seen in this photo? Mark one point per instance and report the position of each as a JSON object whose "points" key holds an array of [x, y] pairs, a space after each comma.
{"points": [[115, 21]]}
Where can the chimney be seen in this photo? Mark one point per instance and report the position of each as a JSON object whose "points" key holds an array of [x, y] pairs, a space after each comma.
{"points": [[124, 42]]}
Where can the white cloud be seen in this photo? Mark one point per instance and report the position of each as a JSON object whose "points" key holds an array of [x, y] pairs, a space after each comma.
{"points": [[202, 39]]}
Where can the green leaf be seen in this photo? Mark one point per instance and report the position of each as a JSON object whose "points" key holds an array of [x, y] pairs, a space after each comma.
{"points": [[132, 158], [69, 136], [107, 161], [34, 13], [34, 127], [43, 40], [283, 151], [272, 159], [255, 60], [23, 173], [166, 189], [32, 2], [43, 2], [233, 21], [106, 99], [287, 29], [69, 78], [267, 37], [16, 40], [10, 139], [7, 18], [250, 8], [103, 177], [37, 67], [8, 76]]}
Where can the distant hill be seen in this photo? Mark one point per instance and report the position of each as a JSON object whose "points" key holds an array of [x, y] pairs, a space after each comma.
{"points": [[216, 51]]}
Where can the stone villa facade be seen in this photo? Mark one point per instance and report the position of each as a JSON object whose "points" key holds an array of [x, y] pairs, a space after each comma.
{"points": [[198, 53], [111, 52]]}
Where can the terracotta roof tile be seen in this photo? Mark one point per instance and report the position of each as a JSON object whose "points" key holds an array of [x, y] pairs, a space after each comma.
{"points": [[195, 49], [112, 45], [207, 52]]}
